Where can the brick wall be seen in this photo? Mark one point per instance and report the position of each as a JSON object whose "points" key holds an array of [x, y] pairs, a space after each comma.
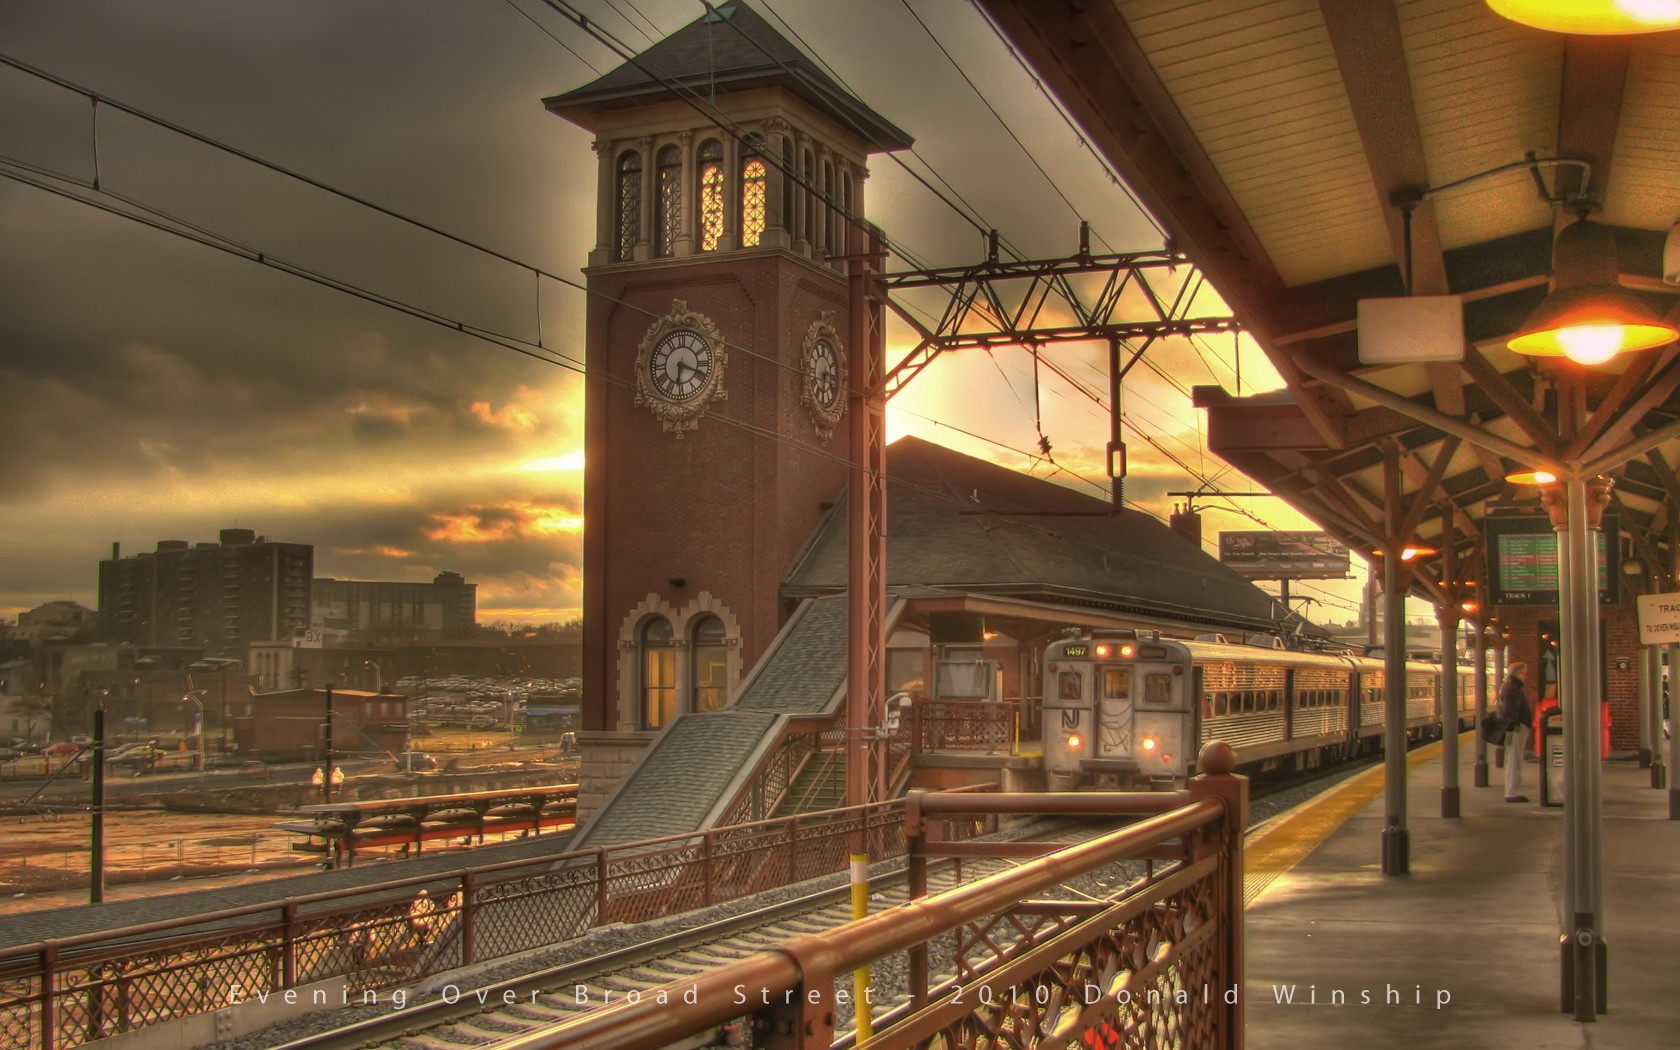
{"points": [[1620, 688]]}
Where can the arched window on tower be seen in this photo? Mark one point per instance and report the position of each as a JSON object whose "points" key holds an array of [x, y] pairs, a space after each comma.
{"points": [[710, 664], [659, 673], [828, 208], [754, 180], [629, 203], [789, 220], [711, 194], [667, 213], [810, 188], [846, 212]]}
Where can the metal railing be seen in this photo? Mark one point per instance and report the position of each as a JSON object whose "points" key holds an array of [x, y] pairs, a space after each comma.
{"points": [[984, 726], [1157, 964], [70, 991]]}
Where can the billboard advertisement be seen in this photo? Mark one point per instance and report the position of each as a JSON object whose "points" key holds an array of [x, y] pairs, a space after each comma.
{"points": [[1283, 555]]}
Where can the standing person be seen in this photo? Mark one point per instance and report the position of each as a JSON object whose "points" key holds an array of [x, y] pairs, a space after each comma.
{"points": [[1516, 712]]}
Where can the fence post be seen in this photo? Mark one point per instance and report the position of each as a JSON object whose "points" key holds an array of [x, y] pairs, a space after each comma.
{"points": [[706, 866], [469, 911], [793, 848], [288, 937], [601, 886], [49, 997], [1218, 781], [916, 873]]}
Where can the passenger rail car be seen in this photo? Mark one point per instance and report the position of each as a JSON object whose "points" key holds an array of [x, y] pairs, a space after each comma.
{"points": [[1135, 711]]}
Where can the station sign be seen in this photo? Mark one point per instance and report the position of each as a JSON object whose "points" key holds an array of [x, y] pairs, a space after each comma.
{"points": [[1659, 619], [1283, 555], [1523, 559]]}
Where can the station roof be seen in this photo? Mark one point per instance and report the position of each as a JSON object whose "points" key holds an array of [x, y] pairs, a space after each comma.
{"points": [[1272, 137]]}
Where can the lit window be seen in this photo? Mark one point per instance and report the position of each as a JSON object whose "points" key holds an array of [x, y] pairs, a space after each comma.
{"points": [[659, 674], [753, 179], [629, 205], [711, 195], [667, 217], [710, 665]]}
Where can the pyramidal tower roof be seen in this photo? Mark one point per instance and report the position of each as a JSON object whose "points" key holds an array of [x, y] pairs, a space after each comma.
{"points": [[729, 48]]}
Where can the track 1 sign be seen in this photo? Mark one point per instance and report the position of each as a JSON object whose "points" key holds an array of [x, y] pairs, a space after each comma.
{"points": [[1659, 619]]}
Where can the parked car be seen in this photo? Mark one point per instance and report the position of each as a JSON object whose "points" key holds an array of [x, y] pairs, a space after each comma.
{"points": [[415, 760], [9, 753], [139, 758], [63, 747]]}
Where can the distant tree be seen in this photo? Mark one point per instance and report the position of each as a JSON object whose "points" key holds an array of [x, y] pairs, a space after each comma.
{"points": [[34, 710]]}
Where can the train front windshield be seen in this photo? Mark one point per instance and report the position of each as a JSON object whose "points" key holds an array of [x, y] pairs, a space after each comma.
{"points": [[1117, 711]]}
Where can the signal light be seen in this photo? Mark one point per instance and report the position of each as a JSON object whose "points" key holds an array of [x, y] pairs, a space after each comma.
{"points": [[1074, 743], [1102, 651], [1126, 651], [1166, 758]]}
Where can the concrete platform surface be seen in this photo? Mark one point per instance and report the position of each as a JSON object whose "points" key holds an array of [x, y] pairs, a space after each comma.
{"points": [[1462, 951]]}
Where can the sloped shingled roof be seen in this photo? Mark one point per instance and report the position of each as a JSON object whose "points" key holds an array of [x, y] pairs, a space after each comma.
{"points": [[687, 773], [729, 48], [961, 524]]}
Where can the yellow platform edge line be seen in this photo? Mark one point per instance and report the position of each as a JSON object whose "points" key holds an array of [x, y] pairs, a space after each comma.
{"points": [[1287, 839]]}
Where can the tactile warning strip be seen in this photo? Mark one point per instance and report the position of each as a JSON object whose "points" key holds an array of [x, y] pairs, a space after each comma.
{"points": [[1287, 840]]}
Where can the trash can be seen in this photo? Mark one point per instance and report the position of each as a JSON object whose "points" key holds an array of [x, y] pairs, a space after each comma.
{"points": [[1551, 758]]}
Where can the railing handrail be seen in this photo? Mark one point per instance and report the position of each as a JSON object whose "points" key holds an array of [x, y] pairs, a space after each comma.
{"points": [[782, 968], [597, 855]]}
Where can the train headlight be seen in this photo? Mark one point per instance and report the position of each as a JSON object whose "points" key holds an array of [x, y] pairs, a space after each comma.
{"points": [[1102, 652], [1149, 743], [1126, 652], [1074, 743]]}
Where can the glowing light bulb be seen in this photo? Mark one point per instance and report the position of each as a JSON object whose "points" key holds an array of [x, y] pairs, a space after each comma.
{"points": [[1590, 344], [1656, 12]]}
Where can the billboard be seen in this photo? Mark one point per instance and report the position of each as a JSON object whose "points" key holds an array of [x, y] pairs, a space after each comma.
{"points": [[1523, 560], [1283, 555]]}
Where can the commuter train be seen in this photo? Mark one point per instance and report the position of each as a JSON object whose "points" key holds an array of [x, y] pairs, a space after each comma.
{"points": [[1131, 711]]}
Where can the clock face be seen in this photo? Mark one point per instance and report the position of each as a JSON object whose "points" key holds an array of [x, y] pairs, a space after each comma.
{"points": [[680, 364], [825, 374]]}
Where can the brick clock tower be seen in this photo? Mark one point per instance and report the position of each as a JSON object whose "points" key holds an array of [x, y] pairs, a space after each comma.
{"points": [[716, 360]]}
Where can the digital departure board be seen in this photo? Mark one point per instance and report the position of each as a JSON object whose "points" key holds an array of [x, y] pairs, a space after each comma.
{"points": [[1523, 566]]}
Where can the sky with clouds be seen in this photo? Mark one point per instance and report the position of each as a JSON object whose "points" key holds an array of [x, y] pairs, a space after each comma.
{"points": [[156, 386]]}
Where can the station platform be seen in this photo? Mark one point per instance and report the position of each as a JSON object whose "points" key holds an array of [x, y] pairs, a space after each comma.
{"points": [[1462, 951]]}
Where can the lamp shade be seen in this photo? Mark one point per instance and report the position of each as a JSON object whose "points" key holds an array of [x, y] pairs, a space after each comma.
{"points": [[1592, 17], [1588, 317]]}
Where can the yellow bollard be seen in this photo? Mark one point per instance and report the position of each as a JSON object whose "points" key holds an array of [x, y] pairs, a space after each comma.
{"points": [[860, 976]]}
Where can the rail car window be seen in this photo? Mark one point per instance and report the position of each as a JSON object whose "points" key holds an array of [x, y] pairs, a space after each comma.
{"points": [[1068, 687], [1157, 689], [1116, 683]]}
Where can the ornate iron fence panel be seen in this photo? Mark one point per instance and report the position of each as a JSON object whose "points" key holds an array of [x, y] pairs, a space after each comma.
{"points": [[986, 726]]}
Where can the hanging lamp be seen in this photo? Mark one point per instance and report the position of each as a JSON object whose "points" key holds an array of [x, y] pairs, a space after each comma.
{"points": [[1588, 317], [1592, 17]]}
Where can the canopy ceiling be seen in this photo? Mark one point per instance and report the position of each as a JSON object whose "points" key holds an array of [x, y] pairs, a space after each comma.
{"points": [[1272, 138]]}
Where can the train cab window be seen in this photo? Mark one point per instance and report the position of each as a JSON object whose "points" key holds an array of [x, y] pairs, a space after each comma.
{"points": [[1157, 689], [1221, 705], [1068, 686], [1116, 683]]}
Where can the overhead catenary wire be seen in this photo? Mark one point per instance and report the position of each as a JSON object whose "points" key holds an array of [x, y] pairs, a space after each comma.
{"points": [[392, 303]]}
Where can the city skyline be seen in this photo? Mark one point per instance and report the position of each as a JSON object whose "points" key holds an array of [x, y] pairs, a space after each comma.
{"points": [[163, 389]]}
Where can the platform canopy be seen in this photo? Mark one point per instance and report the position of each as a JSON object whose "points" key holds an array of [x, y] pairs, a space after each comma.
{"points": [[1283, 143]]}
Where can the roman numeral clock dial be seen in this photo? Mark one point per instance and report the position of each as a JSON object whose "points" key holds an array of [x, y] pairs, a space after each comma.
{"points": [[679, 368], [824, 365]]}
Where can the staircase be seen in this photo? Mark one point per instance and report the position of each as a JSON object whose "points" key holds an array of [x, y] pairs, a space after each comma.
{"points": [[820, 784]]}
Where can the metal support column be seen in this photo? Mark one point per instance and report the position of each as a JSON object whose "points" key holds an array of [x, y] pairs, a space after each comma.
{"points": [[1644, 707], [1396, 848], [1480, 770], [1448, 616], [1653, 714], [1583, 947], [866, 523]]}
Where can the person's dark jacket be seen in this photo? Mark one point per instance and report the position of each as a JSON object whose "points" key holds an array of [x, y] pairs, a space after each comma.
{"points": [[1513, 705]]}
